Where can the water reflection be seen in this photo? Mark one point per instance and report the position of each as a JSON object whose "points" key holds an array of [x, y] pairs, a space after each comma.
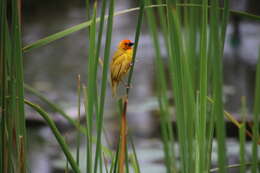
{"points": [[53, 69]]}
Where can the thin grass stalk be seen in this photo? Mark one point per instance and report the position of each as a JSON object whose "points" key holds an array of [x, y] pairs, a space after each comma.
{"points": [[56, 133], [213, 35], [97, 59], [182, 87], [255, 168], [218, 110], [231, 118], [123, 152], [98, 46], [91, 82], [224, 22], [137, 34], [105, 163], [162, 95], [78, 133], [126, 153], [3, 77], [242, 136], [209, 137], [56, 108], [203, 89], [101, 162], [99, 116], [163, 22], [104, 80], [177, 84], [123, 138], [17, 55], [136, 162], [114, 166], [88, 13], [22, 166], [83, 25], [193, 15]]}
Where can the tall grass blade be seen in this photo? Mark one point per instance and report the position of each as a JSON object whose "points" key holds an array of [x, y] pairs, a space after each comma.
{"points": [[137, 34], [56, 108], [22, 166], [78, 133], [91, 83], [203, 89], [183, 89], [255, 167], [217, 53], [57, 135], [104, 78], [12, 118], [99, 116], [165, 119], [135, 162], [18, 65], [242, 136]]}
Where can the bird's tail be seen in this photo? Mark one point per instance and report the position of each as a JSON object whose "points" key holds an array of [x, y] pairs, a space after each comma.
{"points": [[114, 88]]}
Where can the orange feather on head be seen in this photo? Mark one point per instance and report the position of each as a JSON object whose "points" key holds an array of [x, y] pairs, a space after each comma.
{"points": [[125, 44]]}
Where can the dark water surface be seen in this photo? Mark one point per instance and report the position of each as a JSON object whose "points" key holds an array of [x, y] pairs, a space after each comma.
{"points": [[53, 69]]}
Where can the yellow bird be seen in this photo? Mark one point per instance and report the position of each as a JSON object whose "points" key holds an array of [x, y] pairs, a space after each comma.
{"points": [[121, 63]]}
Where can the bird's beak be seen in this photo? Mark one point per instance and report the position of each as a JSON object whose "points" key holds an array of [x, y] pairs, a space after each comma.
{"points": [[131, 44]]}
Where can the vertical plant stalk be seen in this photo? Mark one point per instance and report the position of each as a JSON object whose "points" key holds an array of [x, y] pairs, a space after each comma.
{"points": [[79, 104], [218, 108], [242, 136], [165, 120], [255, 168], [123, 137], [123, 130], [12, 119], [99, 116], [135, 159], [104, 74], [3, 88], [203, 89], [22, 168], [182, 88], [91, 83], [57, 135]]}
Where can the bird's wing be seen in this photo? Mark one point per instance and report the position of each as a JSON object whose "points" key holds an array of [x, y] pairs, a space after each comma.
{"points": [[116, 55], [116, 68]]}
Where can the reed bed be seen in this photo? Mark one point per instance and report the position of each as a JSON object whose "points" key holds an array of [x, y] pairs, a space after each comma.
{"points": [[194, 35]]}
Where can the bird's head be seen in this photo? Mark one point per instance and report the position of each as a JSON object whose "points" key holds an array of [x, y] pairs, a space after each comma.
{"points": [[126, 44]]}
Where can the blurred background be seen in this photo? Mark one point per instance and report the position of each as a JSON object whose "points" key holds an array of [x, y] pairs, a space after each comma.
{"points": [[53, 71]]}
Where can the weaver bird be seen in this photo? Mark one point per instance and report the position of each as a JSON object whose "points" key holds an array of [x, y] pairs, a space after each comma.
{"points": [[121, 63]]}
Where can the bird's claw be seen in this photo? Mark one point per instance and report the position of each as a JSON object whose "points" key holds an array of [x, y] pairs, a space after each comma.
{"points": [[128, 86]]}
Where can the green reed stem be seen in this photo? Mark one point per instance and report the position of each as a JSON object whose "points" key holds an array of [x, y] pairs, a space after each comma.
{"points": [[137, 34], [104, 78], [242, 136], [165, 120], [99, 116], [91, 88], [217, 49], [255, 168], [203, 89], [79, 104], [56, 133]]}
